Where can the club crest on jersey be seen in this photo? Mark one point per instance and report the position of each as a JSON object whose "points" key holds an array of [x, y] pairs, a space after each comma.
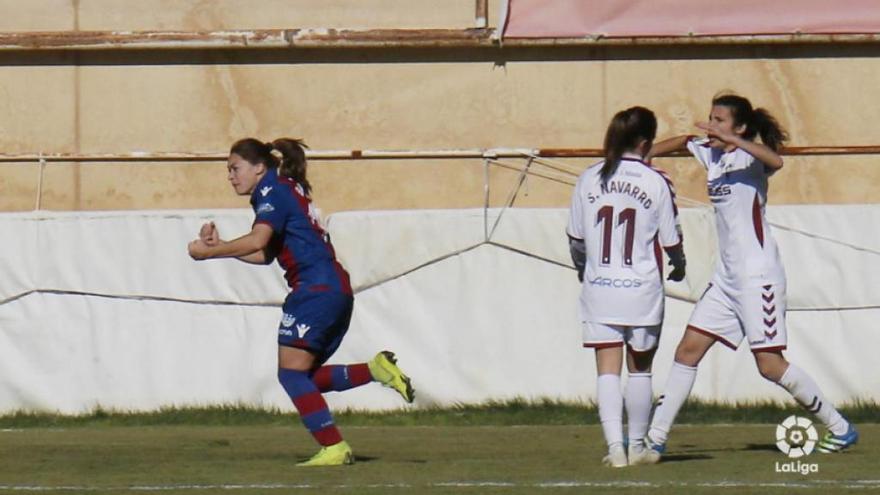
{"points": [[265, 190], [265, 208], [287, 320]]}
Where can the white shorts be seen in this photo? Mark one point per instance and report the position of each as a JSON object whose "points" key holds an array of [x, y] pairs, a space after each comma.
{"points": [[639, 339], [756, 313]]}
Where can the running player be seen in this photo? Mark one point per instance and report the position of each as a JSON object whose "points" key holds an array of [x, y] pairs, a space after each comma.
{"points": [[622, 211], [317, 311], [746, 297]]}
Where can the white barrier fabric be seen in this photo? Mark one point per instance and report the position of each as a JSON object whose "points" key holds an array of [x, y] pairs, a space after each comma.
{"points": [[107, 310]]}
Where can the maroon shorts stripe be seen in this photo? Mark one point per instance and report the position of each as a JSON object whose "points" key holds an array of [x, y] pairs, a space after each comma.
{"points": [[770, 349], [715, 336], [603, 345], [299, 344]]}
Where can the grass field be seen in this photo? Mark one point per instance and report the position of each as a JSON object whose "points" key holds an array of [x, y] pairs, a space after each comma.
{"points": [[107, 455]]}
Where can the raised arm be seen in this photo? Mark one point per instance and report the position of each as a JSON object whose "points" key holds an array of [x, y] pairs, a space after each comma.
{"points": [[667, 146], [764, 154]]}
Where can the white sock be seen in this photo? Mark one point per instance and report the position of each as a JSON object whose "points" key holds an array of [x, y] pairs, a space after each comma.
{"points": [[610, 408], [678, 387], [639, 397], [807, 394]]}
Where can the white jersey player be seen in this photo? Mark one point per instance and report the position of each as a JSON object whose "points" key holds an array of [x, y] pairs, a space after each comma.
{"points": [[624, 220], [746, 297], [622, 212]]}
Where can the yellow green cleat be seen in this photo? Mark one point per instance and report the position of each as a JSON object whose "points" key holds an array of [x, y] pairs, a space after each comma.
{"points": [[384, 369], [334, 455]]}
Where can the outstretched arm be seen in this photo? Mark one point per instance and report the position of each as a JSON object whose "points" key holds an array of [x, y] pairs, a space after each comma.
{"points": [[667, 146], [249, 247]]}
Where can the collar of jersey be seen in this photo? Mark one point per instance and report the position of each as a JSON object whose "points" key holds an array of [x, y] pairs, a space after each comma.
{"points": [[632, 157], [271, 177]]}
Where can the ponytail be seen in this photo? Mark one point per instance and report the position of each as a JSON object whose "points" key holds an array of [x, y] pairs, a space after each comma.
{"points": [[293, 161], [614, 144], [758, 121], [624, 132], [293, 157], [772, 134]]}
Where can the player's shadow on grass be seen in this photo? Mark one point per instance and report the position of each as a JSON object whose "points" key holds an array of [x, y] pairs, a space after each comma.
{"points": [[366, 458], [751, 447], [685, 457], [771, 447]]}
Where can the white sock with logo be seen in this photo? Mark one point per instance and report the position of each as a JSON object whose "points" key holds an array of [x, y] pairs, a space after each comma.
{"points": [[810, 397], [678, 388], [638, 398], [610, 408]]}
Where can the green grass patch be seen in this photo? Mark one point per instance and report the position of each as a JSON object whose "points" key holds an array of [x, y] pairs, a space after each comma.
{"points": [[515, 412], [566, 459]]}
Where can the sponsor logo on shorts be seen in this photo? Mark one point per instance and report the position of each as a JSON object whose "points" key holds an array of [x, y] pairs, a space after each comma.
{"points": [[286, 332], [302, 329], [796, 437], [617, 283]]}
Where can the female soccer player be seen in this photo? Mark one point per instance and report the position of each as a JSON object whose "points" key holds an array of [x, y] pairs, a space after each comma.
{"points": [[746, 297], [317, 311], [622, 211]]}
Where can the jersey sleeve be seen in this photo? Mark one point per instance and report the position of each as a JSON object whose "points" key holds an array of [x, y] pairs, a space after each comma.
{"points": [[270, 210], [702, 153], [669, 227], [575, 227]]}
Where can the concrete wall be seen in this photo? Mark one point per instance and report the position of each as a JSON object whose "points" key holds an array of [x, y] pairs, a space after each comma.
{"points": [[211, 15], [340, 99]]}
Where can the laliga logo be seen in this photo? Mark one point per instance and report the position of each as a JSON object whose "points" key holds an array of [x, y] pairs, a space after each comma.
{"points": [[796, 436]]}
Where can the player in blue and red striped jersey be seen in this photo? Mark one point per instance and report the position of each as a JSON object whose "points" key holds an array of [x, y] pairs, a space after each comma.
{"points": [[317, 311]]}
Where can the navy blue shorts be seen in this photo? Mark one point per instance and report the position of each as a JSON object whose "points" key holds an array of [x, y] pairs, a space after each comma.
{"points": [[315, 321]]}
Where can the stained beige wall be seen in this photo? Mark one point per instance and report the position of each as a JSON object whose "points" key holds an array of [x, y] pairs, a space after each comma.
{"points": [[212, 15], [158, 102]]}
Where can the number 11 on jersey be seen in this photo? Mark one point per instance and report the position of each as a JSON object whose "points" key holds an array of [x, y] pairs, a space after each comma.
{"points": [[605, 216]]}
